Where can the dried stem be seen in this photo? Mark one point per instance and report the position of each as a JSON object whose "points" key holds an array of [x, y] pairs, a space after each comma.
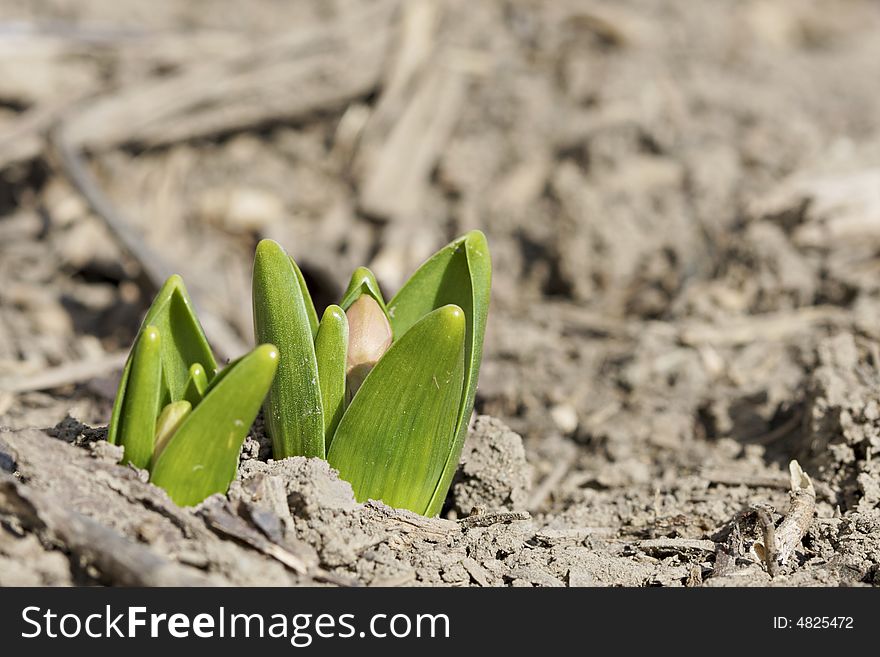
{"points": [[779, 543]]}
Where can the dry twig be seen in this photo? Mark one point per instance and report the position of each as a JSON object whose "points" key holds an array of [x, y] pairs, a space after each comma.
{"points": [[63, 375], [779, 543]]}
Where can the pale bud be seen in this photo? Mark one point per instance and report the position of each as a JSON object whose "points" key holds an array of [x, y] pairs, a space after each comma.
{"points": [[369, 336], [170, 419]]}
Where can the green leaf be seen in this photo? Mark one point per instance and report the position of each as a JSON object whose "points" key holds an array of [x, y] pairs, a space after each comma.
{"points": [[183, 339], [394, 440], [183, 343], [331, 347], [307, 298], [294, 414], [136, 425], [202, 456], [363, 282], [196, 385], [460, 273]]}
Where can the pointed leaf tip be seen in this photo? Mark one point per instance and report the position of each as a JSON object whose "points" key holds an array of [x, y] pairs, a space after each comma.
{"points": [[452, 315], [334, 313], [174, 282], [363, 282], [196, 385], [184, 341], [266, 353], [269, 253], [266, 248]]}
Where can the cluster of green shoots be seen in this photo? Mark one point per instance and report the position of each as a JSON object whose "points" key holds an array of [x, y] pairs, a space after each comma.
{"points": [[382, 391]]}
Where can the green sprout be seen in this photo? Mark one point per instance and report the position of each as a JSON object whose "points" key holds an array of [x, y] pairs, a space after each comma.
{"points": [[174, 414], [384, 392]]}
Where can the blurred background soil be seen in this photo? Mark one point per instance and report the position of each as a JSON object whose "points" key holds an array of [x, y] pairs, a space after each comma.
{"points": [[682, 200]]}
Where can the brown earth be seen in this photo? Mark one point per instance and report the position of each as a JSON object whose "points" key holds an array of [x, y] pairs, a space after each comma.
{"points": [[683, 205]]}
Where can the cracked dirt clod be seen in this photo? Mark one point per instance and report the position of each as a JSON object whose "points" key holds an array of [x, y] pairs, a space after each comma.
{"points": [[118, 529], [283, 522], [843, 420], [494, 474]]}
